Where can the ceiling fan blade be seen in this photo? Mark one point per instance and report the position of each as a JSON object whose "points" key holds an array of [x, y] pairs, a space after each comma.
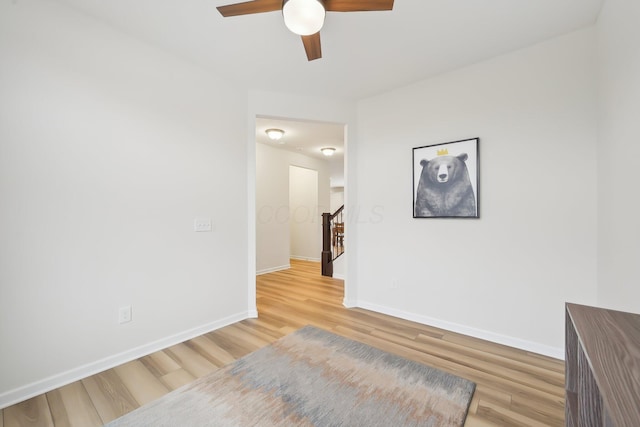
{"points": [[249, 7], [312, 46], [357, 5]]}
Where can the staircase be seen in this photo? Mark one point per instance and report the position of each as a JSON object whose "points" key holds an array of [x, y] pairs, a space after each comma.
{"points": [[332, 239]]}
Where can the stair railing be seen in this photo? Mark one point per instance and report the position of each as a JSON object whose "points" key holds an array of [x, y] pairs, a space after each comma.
{"points": [[332, 239]]}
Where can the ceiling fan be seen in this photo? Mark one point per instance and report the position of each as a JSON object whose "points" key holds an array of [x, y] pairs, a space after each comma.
{"points": [[305, 17]]}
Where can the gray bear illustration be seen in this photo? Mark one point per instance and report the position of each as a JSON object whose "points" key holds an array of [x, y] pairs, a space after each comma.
{"points": [[445, 189]]}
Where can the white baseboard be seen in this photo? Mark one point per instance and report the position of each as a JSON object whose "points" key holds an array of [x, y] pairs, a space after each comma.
{"points": [[304, 258], [273, 269], [28, 391], [350, 303], [557, 353]]}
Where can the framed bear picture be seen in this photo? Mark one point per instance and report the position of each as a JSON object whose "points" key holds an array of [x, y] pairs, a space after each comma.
{"points": [[445, 180]]}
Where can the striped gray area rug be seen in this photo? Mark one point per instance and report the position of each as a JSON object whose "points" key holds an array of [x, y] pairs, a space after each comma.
{"points": [[313, 378]]}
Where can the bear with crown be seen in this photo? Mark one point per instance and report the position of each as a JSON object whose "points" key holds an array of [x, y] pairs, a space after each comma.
{"points": [[444, 189]]}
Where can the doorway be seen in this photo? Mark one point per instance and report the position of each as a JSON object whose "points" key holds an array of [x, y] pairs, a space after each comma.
{"points": [[286, 210]]}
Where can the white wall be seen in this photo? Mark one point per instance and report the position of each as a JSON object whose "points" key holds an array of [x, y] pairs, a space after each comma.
{"points": [[507, 275], [272, 238], [619, 155], [109, 149], [337, 198], [305, 219], [273, 217]]}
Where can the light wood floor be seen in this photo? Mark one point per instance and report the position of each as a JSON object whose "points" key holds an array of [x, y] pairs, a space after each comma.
{"points": [[514, 387]]}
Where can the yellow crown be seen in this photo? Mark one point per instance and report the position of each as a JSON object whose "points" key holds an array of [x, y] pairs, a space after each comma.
{"points": [[443, 152]]}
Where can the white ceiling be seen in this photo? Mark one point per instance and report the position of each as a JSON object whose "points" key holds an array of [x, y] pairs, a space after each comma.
{"points": [[303, 136], [308, 138], [364, 53]]}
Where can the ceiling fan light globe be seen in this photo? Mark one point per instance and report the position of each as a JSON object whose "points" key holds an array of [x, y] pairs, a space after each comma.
{"points": [[303, 17]]}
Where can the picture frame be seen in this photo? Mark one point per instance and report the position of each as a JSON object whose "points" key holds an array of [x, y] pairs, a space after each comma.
{"points": [[446, 180]]}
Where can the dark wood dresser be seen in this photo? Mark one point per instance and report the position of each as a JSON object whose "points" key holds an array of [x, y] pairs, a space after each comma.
{"points": [[602, 367]]}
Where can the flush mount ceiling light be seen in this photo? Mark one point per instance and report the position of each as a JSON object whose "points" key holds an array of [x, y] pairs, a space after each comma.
{"points": [[303, 17], [275, 134], [328, 151]]}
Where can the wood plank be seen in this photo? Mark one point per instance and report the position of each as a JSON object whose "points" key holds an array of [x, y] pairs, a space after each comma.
{"points": [[109, 395], [160, 363], [208, 349], [550, 413], [140, 382], [234, 347], [255, 340], [190, 360], [497, 365], [523, 356], [33, 412], [177, 379], [266, 335], [475, 420], [71, 407], [502, 416], [493, 395]]}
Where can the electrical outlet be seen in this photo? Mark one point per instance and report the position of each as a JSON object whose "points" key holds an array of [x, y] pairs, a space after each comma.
{"points": [[202, 224], [394, 283], [124, 314]]}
